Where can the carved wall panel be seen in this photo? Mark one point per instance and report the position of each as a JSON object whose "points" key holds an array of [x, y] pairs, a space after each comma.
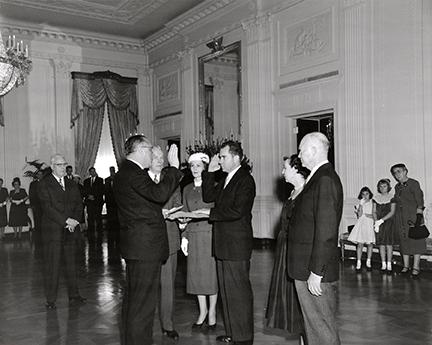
{"points": [[307, 43]]}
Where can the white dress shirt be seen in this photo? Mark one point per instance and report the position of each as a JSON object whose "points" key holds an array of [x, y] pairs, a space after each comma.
{"points": [[230, 175]]}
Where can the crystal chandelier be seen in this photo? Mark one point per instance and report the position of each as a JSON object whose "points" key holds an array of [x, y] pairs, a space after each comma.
{"points": [[15, 64]]}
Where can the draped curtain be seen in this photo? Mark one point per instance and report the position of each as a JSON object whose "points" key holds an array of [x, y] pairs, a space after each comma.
{"points": [[90, 93]]}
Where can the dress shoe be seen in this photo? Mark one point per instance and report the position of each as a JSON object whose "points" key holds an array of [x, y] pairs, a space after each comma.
{"points": [[224, 339], [198, 326], [50, 305], [170, 334], [77, 300], [211, 327], [415, 273]]}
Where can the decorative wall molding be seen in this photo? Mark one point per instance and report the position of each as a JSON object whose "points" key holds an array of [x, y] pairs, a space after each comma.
{"points": [[167, 127], [62, 68], [121, 12], [167, 88], [144, 76], [85, 60], [96, 41], [307, 43], [258, 27]]}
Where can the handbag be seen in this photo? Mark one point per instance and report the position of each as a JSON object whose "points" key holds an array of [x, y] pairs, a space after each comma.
{"points": [[418, 232]]}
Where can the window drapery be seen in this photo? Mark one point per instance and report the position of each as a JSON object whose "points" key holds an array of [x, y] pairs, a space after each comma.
{"points": [[90, 92]]}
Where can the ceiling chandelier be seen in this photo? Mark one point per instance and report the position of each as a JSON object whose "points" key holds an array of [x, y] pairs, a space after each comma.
{"points": [[15, 64]]}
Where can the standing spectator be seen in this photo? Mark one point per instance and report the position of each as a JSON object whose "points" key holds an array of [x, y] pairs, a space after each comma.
{"points": [[111, 212], [283, 307], [143, 235], [69, 174], [386, 237], [77, 180], [18, 216], [233, 237], [409, 211], [197, 246], [36, 208], [61, 206], [3, 213], [363, 231], [313, 254], [169, 267], [93, 196]]}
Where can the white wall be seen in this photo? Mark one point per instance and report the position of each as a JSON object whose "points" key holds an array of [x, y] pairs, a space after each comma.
{"points": [[372, 59]]}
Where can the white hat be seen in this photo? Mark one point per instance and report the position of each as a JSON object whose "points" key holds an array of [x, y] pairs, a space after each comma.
{"points": [[199, 156]]}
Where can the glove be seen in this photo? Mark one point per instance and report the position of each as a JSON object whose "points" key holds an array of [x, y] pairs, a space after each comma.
{"points": [[377, 225], [184, 246], [419, 219]]}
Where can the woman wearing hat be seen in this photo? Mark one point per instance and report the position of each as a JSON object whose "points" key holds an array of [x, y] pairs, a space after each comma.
{"points": [[197, 246]]}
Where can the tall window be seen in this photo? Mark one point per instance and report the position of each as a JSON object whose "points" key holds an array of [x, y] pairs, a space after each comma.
{"points": [[105, 156]]}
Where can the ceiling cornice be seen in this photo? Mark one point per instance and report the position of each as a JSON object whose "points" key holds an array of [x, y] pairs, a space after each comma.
{"points": [[189, 19], [80, 38]]}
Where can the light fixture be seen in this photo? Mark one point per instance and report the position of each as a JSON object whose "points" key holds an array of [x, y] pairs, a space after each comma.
{"points": [[215, 44], [15, 64]]}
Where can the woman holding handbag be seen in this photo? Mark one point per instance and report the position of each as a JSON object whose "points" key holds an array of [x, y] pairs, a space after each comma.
{"points": [[409, 211]]}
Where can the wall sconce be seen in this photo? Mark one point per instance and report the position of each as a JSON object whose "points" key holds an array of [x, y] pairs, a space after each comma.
{"points": [[216, 44]]}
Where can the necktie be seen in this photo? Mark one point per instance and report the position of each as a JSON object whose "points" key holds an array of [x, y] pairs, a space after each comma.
{"points": [[91, 182], [61, 183], [156, 180]]}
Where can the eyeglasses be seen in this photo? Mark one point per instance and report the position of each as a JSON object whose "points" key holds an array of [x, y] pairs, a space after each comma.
{"points": [[60, 164]]}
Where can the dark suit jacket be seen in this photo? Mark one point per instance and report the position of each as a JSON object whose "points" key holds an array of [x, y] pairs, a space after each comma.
{"points": [[314, 227], [58, 205], [143, 234], [232, 214], [172, 227], [97, 190]]}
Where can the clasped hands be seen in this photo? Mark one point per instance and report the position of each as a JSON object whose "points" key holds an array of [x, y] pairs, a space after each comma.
{"points": [[71, 224], [377, 225]]}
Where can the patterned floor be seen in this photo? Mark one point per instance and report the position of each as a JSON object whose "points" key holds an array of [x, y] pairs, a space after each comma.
{"points": [[373, 308]]}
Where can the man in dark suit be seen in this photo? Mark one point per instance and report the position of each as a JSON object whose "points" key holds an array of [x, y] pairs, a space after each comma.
{"points": [[93, 199], [37, 212], [313, 255], [143, 235], [111, 213], [61, 206], [169, 267], [232, 237], [69, 174]]}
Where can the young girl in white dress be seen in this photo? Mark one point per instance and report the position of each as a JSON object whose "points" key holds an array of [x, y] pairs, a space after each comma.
{"points": [[363, 231]]}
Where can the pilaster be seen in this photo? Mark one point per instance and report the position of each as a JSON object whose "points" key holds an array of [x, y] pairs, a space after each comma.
{"points": [[62, 88], [145, 101]]}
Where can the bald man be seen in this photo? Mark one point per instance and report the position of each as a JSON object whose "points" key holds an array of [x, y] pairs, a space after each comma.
{"points": [[313, 255], [61, 206]]}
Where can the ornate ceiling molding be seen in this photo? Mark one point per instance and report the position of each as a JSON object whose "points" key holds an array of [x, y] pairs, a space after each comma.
{"points": [[123, 12], [184, 22], [79, 38]]}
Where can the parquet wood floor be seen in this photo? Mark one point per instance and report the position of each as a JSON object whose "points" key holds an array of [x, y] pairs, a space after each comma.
{"points": [[373, 308]]}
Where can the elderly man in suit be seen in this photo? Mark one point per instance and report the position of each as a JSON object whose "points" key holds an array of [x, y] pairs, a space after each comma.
{"points": [[143, 234], [61, 206], [232, 237], [169, 268], [94, 200], [313, 255]]}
